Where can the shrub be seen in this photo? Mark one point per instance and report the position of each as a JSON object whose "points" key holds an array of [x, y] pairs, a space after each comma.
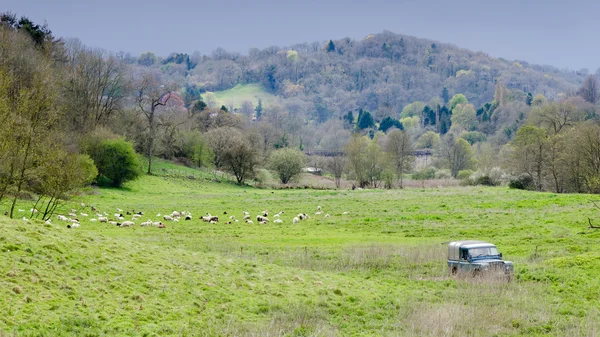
{"points": [[116, 161], [522, 182], [424, 174], [485, 180], [443, 174], [464, 174], [287, 163]]}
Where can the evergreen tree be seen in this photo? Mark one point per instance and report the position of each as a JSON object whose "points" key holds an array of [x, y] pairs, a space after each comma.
{"points": [[330, 47], [224, 108], [365, 120], [529, 99], [259, 109], [390, 122], [445, 95]]}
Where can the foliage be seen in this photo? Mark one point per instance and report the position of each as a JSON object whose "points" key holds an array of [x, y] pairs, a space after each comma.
{"points": [[457, 100], [390, 122], [521, 182], [464, 174], [424, 174], [463, 117], [147, 59], [287, 162], [365, 120], [429, 140], [457, 156], [115, 159]]}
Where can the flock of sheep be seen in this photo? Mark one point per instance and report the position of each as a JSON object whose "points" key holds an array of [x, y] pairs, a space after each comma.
{"points": [[119, 219]]}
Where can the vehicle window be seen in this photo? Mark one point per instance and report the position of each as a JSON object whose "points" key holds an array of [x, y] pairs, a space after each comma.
{"points": [[475, 252]]}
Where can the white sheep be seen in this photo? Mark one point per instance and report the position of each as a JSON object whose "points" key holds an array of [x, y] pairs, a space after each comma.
{"points": [[103, 219], [74, 225], [175, 214], [318, 208], [168, 218], [249, 221], [62, 218], [346, 213], [295, 220], [262, 219], [146, 223], [157, 223], [245, 213], [318, 213], [176, 220], [276, 215], [158, 215], [72, 215], [277, 221], [113, 223], [327, 215], [93, 220], [83, 214], [127, 224]]}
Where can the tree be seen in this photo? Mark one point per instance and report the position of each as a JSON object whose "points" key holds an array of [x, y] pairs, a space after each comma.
{"points": [[355, 150], [456, 100], [445, 95], [330, 46], [116, 161], [365, 120], [412, 109], [150, 95], [147, 59], [375, 162], [529, 155], [464, 117], [457, 155], [589, 89], [429, 140], [259, 109], [247, 108], [556, 115], [241, 158], [398, 146], [390, 122], [287, 162]]}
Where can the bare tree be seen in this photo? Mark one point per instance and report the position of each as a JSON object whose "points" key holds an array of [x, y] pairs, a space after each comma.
{"points": [[589, 89], [150, 96]]}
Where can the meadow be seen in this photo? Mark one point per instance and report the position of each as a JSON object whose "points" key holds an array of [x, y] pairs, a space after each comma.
{"points": [[245, 92], [379, 270]]}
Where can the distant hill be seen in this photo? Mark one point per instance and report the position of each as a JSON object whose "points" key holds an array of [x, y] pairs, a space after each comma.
{"points": [[381, 73]]}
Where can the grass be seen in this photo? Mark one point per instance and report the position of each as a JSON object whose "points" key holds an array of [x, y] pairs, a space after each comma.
{"points": [[245, 92], [377, 271]]}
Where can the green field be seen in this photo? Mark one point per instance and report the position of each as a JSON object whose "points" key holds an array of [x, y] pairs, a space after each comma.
{"points": [[377, 271], [245, 92]]}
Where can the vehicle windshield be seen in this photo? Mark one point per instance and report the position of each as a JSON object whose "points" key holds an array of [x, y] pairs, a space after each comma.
{"points": [[475, 252]]}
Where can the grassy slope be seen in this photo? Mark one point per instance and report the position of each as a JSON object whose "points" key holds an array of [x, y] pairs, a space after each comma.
{"points": [[245, 92], [378, 271]]}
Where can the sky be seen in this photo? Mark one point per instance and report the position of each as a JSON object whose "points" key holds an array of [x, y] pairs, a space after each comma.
{"points": [[547, 32]]}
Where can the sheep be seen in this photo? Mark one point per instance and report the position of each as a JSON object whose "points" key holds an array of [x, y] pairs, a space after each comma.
{"points": [[236, 220], [48, 222], [113, 223], [118, 215], [295, 220], [136, 216], [72, 215], [74, 220], [188, 217], [146, 223], [302, 216], [93, 220], [74, 225], [249, 221], [262, 219], [262, 222], [103, 219], [121, 218], [33, 210], [158, 215], [119, 210], [175, 220], [246, 217], [232, 217], [346, 213], [265, 213], [175, 214], [327, 215], [157, 223], [127, 224], [161, 225], [276, 215], [25, 219], [245, 213], [168, 218], [318, 208], [209, 218], [83, 214], [82, 205], [62, 218], [277, 221], [319, 213], [94, 209], [212, 222]]}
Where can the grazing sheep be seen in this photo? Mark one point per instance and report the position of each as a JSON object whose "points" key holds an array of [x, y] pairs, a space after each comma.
{"points": [[345, 213], [62, 218], [83, 214], [265, 213], [245, 213], [262, 219], [157, 223], [209, 218], [232, 217], [249, 221], [236, 220], [168, 218], [48, 222], [74, 225], [175, 220], [82, 205], [119, 210], [118, 215], [295, 220], [158, 215], [113, 223], [161, 225], [72, 215], [188, 217], [262, 222], [318, 213], [103, 219], [93, 220], [136, 216], [33, 210], [327, 215], [246, 217], [276, 215], [75, 220], [25, 219], [277, 221], [127, 224], [146, 223], [318, 208], [175, 214]]}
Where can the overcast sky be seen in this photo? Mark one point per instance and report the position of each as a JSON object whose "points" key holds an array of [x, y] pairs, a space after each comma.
{"points": [[559, 33]]}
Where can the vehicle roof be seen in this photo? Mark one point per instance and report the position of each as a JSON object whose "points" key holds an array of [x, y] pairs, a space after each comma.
{"points": [[470, 244]]}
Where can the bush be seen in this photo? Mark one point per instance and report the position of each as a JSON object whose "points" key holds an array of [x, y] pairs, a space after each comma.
{"points": [[116, 161], [485, 181], [443, 174], [464, 174], [522, 182], [424, 174], [287, 162]]}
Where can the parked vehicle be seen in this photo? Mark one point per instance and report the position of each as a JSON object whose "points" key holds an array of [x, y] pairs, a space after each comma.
{"points": [[477, 257]]}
